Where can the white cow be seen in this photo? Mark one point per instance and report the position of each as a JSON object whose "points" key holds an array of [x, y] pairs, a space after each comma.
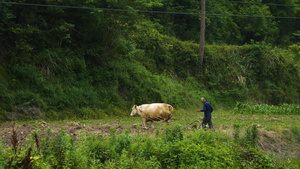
{"points": [[153, 112]]}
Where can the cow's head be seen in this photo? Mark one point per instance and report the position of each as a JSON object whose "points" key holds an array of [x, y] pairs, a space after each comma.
{"points": [[134, 110]]}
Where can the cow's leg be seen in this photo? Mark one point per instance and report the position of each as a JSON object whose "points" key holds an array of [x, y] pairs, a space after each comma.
{"points": [[152, 124], [145, 123], [167, 122], [167, 118]]}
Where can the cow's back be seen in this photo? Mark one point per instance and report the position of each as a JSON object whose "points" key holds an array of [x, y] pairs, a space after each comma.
{"points": [[156, 111]]}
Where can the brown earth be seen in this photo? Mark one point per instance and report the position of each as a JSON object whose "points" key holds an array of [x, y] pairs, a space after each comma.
{"points": [[24, 130]]}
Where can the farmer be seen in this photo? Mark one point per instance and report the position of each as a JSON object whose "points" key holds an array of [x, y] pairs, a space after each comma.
{"points": [[207, 109]]}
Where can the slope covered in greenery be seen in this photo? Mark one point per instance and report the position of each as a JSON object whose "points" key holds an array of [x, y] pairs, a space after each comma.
{"points": [[62, 56]]}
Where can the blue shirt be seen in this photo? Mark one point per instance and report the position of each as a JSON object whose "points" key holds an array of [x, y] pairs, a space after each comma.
{"points": [[207, 109]]}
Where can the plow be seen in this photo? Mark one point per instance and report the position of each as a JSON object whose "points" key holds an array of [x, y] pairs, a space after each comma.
{"points": [[195, 122]]}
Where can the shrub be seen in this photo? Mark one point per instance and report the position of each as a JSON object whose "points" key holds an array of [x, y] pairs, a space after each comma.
{"points": [[173, 134], [252, 158]]}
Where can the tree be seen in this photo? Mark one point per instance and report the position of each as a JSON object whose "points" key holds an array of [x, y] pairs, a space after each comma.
{"points": [[260, 26], [286, 8]]}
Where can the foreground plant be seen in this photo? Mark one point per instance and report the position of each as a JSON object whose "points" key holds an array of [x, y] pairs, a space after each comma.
{"points": [[171, 149]]}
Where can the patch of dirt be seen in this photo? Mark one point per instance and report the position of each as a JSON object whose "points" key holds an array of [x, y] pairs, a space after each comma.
{"points": [[24, 131]]}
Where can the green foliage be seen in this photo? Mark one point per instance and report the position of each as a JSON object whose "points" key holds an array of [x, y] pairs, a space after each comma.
{"points": [[2, 115], [118, 143], [251, 136], [173, 134], [252, 72], [252, 158], [236, 134], [62, 148], [16, 156], [6, 100], [292, 55], [285, 109], [296, 132], [217, 31], [293, 133], [257, 28], [286, 32], [2, 157], [197, 149], [81, 63]]}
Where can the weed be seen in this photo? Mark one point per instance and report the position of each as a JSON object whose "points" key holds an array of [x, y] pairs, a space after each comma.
{"points": [[236, 132], [251, 136]]}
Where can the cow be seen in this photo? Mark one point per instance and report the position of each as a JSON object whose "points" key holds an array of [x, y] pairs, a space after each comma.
{"points": [[153, 112]]}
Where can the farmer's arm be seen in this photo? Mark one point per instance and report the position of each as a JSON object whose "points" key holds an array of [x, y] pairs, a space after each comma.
{"points": [[204, 108]]}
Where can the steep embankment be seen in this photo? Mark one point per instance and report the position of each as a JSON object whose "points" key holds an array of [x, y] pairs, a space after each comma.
{"points": [[96, 63]]}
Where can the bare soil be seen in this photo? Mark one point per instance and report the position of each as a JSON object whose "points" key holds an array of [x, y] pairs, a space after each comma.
{"points": [[24, 130]]}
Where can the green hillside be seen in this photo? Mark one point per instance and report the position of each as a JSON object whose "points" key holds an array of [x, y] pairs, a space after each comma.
{"points": [[105, 56]]}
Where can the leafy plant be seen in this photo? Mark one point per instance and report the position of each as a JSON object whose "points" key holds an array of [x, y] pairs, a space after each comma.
{"points": [[174, 149], [251, 136], [236, 134], [173, 134], [284, 109]]}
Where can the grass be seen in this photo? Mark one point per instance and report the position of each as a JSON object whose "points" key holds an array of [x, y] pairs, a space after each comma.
{"points": [[221, 119], [278, 135], [281, 128]]}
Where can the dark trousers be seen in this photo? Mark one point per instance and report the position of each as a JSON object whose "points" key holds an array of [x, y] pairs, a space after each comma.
{"points": [[207, 119]]}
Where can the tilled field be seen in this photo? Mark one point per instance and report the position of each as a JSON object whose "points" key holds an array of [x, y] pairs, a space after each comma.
{"points": [[24, 130], [269, 141]]}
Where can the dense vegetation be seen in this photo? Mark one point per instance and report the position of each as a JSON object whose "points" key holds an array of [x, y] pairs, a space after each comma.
{"points": [[284, 109], [237, 141], [60, 58], [170, 149], [93, 59]]}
